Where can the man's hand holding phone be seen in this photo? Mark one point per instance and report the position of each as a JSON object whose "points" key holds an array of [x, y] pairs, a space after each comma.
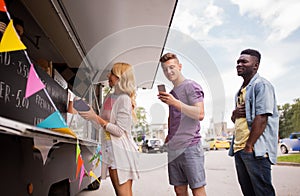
{"points": [[161, 88], [167, 97], [161, 91]]}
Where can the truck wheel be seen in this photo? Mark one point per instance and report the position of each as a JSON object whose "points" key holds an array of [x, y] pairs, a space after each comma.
{"points": [[283, 149], [145, 150], [215, 148], [94, 185], [61, 188]]}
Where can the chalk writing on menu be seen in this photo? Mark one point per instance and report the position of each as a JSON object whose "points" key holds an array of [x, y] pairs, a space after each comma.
{"points": [[14, 69]]}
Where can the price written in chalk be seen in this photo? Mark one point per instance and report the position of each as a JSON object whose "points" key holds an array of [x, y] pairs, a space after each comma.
{"points": [[14, 72], [7, 96], [21, 68]]}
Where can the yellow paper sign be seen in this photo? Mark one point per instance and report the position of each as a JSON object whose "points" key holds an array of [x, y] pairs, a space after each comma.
{"points": [[92, 174], [65, 130], [10, 40]]}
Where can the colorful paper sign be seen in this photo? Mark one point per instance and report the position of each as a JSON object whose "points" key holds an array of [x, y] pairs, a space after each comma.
{"points": [[78, 151], [34, 84], [10, 40], [2, 6], [81, 175], [55, 120], [79, 164], [92, 174], [65, 130]]}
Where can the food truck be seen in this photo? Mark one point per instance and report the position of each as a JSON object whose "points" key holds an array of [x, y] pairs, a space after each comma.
{"points": [[52, 50]]}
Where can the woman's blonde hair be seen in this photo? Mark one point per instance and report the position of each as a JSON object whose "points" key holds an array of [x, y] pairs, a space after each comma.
{"points": [[126, 84]]}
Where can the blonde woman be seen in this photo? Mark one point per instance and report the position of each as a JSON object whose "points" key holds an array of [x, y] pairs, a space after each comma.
{"points": [[119, 151]]}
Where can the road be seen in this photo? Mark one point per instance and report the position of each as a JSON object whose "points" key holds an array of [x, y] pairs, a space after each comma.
{"points": [[220, 172]]}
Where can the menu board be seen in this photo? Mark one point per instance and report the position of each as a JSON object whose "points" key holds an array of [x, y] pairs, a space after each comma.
{"points": [[14, 69]]}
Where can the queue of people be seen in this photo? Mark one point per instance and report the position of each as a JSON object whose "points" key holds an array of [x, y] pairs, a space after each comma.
{"points": [[254, 145]]}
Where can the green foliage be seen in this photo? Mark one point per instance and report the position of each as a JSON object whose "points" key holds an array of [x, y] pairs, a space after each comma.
{"points": [[293, 158], [141, 125], [106, 90], [296, 115], [140, 138], [289, 120], [285, 122]]}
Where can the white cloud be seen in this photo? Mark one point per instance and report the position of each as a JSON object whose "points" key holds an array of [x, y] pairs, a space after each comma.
{"points": [[199, 19], [282, 17], [279, 57]]}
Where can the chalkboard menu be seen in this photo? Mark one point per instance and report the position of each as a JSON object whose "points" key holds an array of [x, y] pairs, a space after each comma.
{"points": [[14, 69]]}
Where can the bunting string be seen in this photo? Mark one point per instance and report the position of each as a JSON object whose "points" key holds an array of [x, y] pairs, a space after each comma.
{"points": [[11, 42]]}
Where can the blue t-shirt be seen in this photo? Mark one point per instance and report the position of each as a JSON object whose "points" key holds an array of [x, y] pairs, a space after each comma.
{"points": [[184, 131]]}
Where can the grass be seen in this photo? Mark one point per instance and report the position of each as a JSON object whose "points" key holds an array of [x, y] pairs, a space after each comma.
{"points": [[293, 158]]}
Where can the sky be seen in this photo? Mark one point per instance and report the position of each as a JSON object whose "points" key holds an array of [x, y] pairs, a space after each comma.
{"points": [[222, 28]]}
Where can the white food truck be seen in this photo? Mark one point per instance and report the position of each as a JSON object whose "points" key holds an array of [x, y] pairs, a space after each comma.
{"points": [[71, 45]]}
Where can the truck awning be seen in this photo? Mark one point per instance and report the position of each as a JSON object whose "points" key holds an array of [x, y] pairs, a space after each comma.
{"points": [[100, 33]]}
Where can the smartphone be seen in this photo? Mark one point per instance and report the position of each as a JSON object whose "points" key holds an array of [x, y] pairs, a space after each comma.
{"points": [[161, 88], [81, 105]]}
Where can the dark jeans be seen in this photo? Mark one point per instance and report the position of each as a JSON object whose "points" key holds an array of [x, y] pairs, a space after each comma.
{"points": [[254, 174]]}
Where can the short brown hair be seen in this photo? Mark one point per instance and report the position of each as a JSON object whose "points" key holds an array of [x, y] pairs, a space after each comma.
{"points": [[168, 56]]}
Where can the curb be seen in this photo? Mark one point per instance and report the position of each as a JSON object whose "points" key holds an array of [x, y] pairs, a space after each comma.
{"points": [[288, 164]]}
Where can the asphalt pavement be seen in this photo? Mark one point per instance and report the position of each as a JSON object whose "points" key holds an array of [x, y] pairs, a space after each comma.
{"points": [[220, 173]]}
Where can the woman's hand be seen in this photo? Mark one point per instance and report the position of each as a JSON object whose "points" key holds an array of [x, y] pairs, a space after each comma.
{"points": [[92, 116], [89, 115]]}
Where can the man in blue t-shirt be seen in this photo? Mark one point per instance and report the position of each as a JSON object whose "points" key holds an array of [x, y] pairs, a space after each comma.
{"points": [[186, 110]]}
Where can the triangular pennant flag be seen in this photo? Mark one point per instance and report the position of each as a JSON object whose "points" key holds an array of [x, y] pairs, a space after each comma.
{"points": [[97, 163], [92, 174], [2, 6], [79, 164], [10, 40], [77, 151], [55, 120], [97, 154], [34, 84], [98, 150], [81, 175], [94, 157], [65, 130]]}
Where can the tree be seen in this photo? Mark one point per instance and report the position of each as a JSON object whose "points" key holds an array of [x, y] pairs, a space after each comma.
{"points": [[285, 124], [141, 126], [289, 120], [296, 115]]}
